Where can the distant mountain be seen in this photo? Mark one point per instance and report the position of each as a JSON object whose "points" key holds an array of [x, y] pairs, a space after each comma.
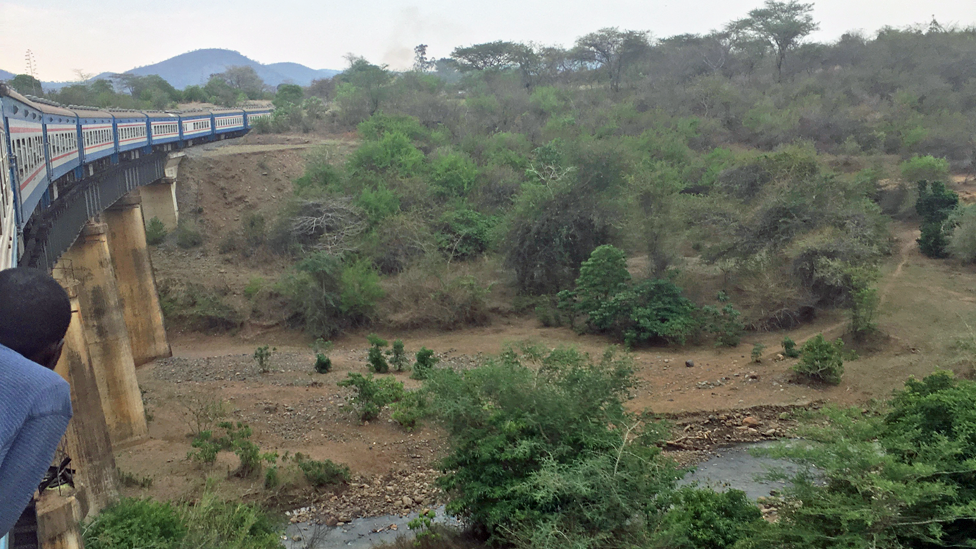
{"points": [[195, 68]]}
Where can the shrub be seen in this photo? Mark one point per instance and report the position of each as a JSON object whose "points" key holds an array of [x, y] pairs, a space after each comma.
{"points": [[398, 356], [375, 357], [198, 308], [548, 455], [372, 395], [935, 205], [883, 479], [321, 348], [453, 174], [821, 360], [155, 232], [254, 285], [425, 363], [314, 292], [136, 523], [234, 437], [359, 291], [962, 242], [704, 519], [464, 234], [187, 237], [262, 355], [926, 168], [757, 351], [724, 323], [322, 473], [410, 409], [323, 364], [652, 310], [789, 348], [601, 276]]}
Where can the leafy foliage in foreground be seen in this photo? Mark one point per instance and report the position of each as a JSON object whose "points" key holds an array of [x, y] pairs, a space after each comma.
{"points": [[206, 524], [546, 452], [903, 479]]}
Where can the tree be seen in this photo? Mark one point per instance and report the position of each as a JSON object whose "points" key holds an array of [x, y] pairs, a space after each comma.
{"points": [[780, 24], [244, 79], [421, 63], [27, 84], [613, 49], [288, 94], [490, 55]]}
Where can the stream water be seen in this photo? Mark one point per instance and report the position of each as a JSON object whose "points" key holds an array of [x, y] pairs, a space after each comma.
{"points": [[729, 468]]}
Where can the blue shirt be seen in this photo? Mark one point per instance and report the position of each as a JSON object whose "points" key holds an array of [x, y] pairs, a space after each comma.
{"points": [[35, 406]]}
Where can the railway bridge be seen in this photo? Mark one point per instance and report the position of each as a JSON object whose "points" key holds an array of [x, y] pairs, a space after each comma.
{"points": [[77, 187]]}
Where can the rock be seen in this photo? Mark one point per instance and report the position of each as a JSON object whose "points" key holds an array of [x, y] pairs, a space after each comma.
{"points": [[690, 363], [784, 416], [331, 522], [770, 433], [750, 421], [407, 501]]}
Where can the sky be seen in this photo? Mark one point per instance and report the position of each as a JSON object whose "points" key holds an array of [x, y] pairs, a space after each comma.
{"points": [[94, 36]]}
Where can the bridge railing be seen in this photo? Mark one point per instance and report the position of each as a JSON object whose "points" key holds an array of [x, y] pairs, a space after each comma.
{"points": [[50, 235]]}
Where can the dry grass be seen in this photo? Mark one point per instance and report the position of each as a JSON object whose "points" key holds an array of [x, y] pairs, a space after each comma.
{"points": [[447, 296]]}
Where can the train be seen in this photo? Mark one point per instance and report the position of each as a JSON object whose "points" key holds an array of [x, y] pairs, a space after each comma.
{"points": [[47, 148]]}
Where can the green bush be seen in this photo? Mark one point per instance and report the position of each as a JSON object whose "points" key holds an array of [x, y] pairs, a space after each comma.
{"points": [[757, 351], [233, 437], [543, 452], [453, 174], [821, 360], [322, 473], [155, 232], [323, 364], [962, 242], [398, 356], [926, 168], [464, 233], [136, 523], [314, 293], [425, 363], [883, 478], [649, 311], [372, 395], [375, 357], [789, 348], [411, 409], [188, 237], [724, 323], [935, 205], [392, 154], [359, 291], [704, 519], [262, 355]]}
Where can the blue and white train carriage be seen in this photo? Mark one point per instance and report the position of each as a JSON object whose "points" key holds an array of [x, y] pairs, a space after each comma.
{"points": [[45, 148]]}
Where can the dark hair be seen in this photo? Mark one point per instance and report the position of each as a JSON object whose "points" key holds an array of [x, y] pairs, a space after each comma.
{"points": [[34, 310]]}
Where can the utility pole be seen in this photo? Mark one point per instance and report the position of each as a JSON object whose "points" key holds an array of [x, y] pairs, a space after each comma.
{"points": [[31, 70]]}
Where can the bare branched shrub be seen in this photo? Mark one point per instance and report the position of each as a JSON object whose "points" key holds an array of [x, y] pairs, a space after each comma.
{"points": [[202, 412], [330, 224]]}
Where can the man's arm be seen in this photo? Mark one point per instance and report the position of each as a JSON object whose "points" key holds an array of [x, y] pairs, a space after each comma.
{"points": [[26, 462]]}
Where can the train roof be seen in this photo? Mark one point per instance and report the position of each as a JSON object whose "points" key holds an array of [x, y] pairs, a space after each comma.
{"points": [[127, 113], [90, 112]]}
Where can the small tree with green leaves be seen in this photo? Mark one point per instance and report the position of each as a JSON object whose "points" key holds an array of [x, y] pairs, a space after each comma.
{"points": [[821, 360], [262, 355], [372, 394], [789, 348], [155, 232], [757, 351], [375, 357], [425, 363], [398, 356], [323, 363]]}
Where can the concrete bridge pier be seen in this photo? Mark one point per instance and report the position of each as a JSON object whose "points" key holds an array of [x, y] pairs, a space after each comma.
{"points": [[134, 276], [87, 439], [107, 335], [159, 199]]}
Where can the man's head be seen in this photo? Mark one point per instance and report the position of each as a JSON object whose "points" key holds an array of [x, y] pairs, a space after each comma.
{"points": [[34, 314]]}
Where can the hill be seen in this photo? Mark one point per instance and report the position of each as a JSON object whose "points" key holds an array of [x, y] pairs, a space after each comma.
{"points": [[195, 68]]}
